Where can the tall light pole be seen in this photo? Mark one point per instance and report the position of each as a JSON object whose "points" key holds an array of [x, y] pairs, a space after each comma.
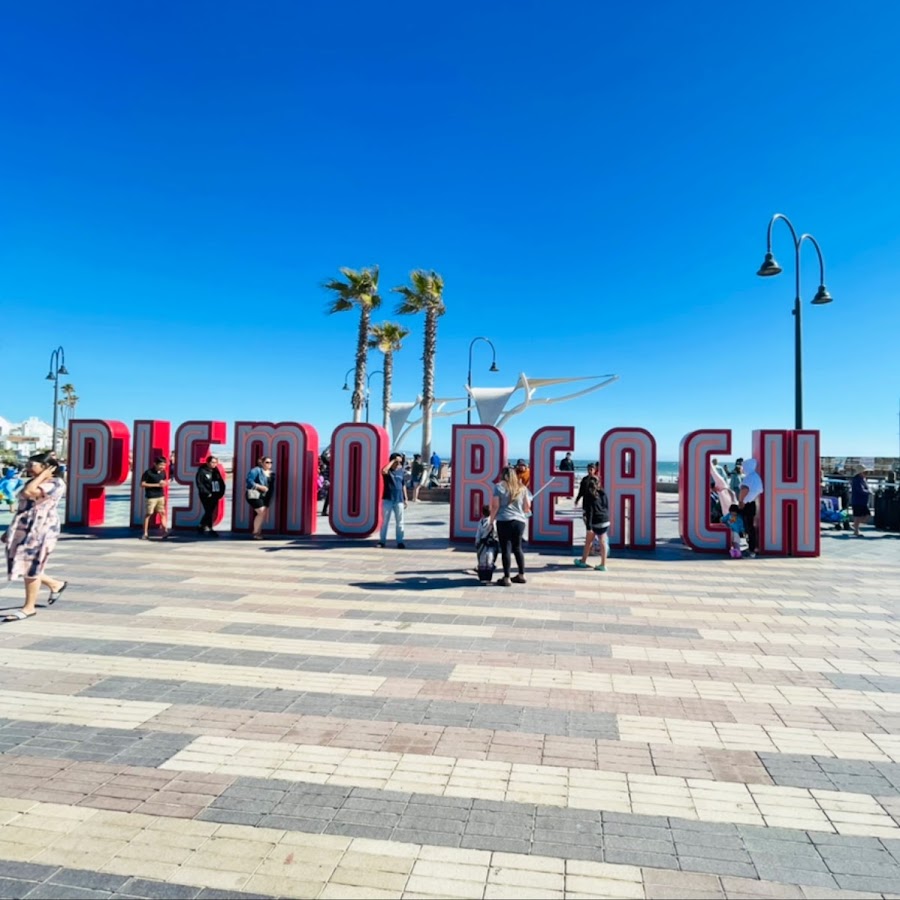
{"points": [[493, 368], [769, 268], [368, 382], [57, 368], [346, 386]]}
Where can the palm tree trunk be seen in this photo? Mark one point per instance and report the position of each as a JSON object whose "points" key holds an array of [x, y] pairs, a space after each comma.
{"points": [[428, 358], [362, 350], [388, 378]]}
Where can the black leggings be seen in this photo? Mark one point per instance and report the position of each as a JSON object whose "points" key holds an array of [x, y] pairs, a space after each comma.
{"points": [[748, 514], [510, 534], [210, 507]]}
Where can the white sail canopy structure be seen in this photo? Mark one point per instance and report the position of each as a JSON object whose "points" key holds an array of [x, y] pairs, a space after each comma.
{"points": [[401, 426], [490, 403]]}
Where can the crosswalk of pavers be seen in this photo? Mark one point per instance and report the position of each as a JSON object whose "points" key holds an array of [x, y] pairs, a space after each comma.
{"points": [[319, 718]]}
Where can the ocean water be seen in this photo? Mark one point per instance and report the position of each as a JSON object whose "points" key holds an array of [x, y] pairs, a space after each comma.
{"points": [[666, 470]]}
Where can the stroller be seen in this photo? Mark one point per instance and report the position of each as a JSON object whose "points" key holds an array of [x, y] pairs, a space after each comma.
{"points": [[487, 546]]}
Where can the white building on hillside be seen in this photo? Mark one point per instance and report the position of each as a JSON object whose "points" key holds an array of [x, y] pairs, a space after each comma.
{"points": [[25, 438]]}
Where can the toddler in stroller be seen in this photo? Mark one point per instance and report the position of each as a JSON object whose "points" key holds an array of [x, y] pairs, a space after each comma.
{"points": [[487, 546]]}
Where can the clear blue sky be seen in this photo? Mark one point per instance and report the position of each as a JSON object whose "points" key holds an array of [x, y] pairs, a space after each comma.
{"points": [[593, 180]]}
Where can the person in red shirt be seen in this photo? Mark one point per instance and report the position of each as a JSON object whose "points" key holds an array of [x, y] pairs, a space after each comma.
{"points": [[523, 472]]}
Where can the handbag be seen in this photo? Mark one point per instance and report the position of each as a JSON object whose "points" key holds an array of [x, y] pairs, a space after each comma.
{"points": [[252, 494]]}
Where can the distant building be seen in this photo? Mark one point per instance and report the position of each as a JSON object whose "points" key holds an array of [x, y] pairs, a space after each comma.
{"points": [[25, 438]]}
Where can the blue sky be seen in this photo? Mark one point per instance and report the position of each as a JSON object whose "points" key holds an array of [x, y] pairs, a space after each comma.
{"points": [[593, 180]]}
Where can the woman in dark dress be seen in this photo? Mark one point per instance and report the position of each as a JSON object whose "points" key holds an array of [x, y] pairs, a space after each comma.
{"points": [[860, 500]]}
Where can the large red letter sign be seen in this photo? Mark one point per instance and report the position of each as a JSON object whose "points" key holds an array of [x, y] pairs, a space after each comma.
{"points": [[98, 457], [193, 442], [695, 455], [545, 528], [789, 465], [628, 474], [151, 439], [479, 454], [359, 452], [294, 451]]}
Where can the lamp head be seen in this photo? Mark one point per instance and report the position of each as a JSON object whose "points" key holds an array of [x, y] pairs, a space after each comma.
{"points": [[822, 296], [346, 387], [493, 367], [50, 376], [769, 267], [63, 370]]}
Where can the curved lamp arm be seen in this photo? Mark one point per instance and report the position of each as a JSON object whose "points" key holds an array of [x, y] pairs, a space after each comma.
{"points": [[789, 224], [815, 243]]}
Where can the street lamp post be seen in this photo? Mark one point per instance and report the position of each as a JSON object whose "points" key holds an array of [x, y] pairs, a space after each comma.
{"points": [[769, 268], [57, 368], [368, 382], [493, 368]]}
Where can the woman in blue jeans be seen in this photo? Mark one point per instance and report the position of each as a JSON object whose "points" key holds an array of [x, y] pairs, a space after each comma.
{"points": [[510, 507]]}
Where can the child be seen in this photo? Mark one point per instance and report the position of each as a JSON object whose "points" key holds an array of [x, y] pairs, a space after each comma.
{"points": [[487, 546], [734, 521]]}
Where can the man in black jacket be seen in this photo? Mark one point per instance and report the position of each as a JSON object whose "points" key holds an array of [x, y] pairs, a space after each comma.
{"points": [[211, 488]]}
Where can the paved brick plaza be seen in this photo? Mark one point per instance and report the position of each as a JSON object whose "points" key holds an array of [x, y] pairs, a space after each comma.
{"points": [[319, 718]]}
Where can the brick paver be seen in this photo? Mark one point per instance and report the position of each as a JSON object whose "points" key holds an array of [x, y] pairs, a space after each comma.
{"points": [[323, 718]]}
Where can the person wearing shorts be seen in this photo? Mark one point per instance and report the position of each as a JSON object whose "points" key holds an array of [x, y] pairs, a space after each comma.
{"points": [[260, 485], [596, 521], [416, 474], [153, 482]]}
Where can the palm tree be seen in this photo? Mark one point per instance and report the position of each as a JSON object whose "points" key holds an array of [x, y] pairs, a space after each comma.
{"points": [[67, 408], [360, 290], [388, 338], [425, 293]]}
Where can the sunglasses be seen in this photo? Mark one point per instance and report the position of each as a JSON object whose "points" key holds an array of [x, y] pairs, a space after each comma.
{"points": [[267, 462]]}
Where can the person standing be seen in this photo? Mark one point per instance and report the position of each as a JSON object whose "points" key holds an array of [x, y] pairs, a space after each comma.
{"points": [[211, 488], [325, 475], [596, 523], [591, 473], [434, 479], [860, 498], [523, 472], [260, 486], [750, 491], [510, 506], [33, 532], [416, 474], [153, 481], [735, 476], [567, 464], [393, 499]]}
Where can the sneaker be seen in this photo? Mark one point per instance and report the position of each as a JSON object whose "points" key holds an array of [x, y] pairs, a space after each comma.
{"points": [[381, 543], [519, 579], [600, 568], [504, 582], [581, 564], [753, 555], [401, 546]]}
